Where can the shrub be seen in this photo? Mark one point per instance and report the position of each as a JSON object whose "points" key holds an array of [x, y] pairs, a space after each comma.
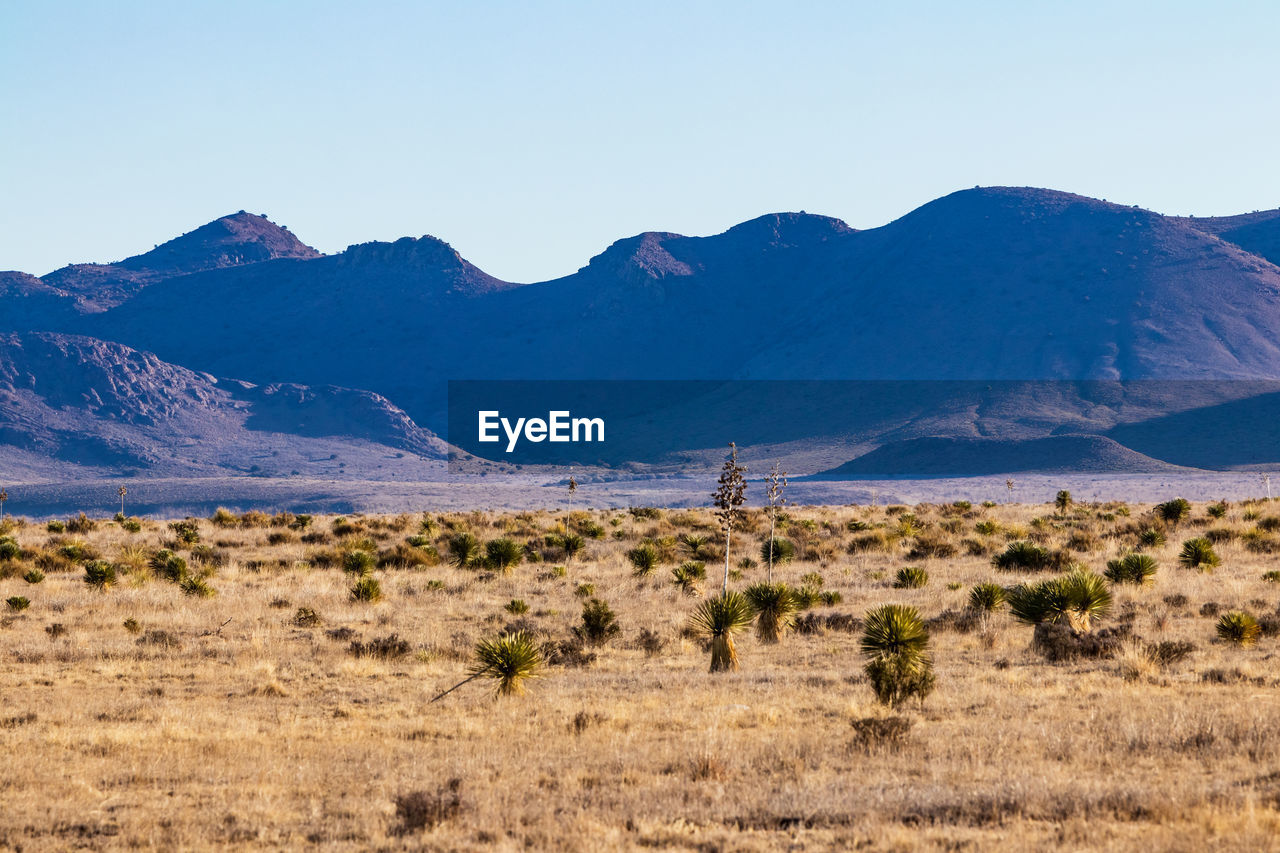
{"points": [[420, 810], [895, 642], [584, 590], [1238, 627], [717, 620], [305, 617], [911, 577], [516, 606], [1077, 598], [1152, 537], [1198, 554], [643, 558], [56, 527], [783, 551], [987, 597], [1059, 642], [133, 626], [18, 603], [9, 549], [697, 546], [389, 647], [1023, 555], [1174, 511], [1062, 501], [572, 544], [80, 524], [503, 554], [775, 609], [78, 551], [33, 576], [168, 565], [688, 575], [1131, 568], [366, 589], [1272, 576], [599, 624], [223, 517], [358, 561], [197, 586], [464, 549], [510, 660], [987, 528], [187, 532], [872, 732], [1218, 510], [99, 574]]}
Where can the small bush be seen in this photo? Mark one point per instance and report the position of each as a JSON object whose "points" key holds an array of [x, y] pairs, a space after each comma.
{"points": [[1023, 556], [1131, 568], [99, 574], [1198, 554], [870, 733], [516, 606], [464, 549], [33, 576], [599, 624], [80, 524], [503, 554], [196, 586], [358, 561], [383, 648], [419, 810], [911, 577], [133, 626], [9, 549], [305, 617], [1173, 512], [56, 527], [986, 597], [18, 603], [783, 551], [688, 575], [366, 589], [1152, 537], [187, 531], [1238, 627], [643, 558]]}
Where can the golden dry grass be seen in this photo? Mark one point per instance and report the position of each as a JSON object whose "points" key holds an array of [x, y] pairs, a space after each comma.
{"points": [[263, 733]]}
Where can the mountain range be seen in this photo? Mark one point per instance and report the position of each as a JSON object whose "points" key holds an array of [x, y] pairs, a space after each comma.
{"points": [[237, 349]]}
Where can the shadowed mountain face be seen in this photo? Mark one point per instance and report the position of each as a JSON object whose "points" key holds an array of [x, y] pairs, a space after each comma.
{"points": [[92, 403], [984, 284]]}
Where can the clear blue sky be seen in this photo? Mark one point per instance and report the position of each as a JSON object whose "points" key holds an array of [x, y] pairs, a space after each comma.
{"points": [[532, 134]]}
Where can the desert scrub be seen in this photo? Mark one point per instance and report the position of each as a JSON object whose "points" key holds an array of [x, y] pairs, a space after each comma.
{"points": [[599, 624], [688, 575], [1131, 568], [99, 574], [775, 609], [358, 561], [516, 607], [366, 589], [986, 597], [1023, 556], [643, 559], [1198, 554], [911, 577], [1238, 627], [716, 620], [503, 554], [33, 576], [895, 643]]}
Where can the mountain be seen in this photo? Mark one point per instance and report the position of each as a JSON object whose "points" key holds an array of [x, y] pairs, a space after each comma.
{"points": [[232, 241], [79, 402], [925, 458], [1000, 284]]}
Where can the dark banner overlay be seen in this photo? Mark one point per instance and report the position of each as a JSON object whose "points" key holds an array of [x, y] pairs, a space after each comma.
{"points": [[917, 428]]}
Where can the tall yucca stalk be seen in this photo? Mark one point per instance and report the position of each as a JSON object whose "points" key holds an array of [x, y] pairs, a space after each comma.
{"points": [[729, 496], [775, 484], [775, 607], [718, 619]]}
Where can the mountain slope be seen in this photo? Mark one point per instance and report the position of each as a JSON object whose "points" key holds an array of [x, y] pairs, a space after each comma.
{"points": [[89, 402], [231, 241]]}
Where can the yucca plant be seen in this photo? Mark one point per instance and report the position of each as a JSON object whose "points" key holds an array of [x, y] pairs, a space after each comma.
{"points": [[464, 548], [775, 607], [599, 624], [1131, 568], [9, 548], [987, 597], [895, 642], [1174, 511], [510, 659], [18, 602], [1062, 501], [1238, 627], [783, 551], [697, 546], [99, 574], [503, 554], [366, 589], [1152, 537], [197, 586], [911, 577], [1198, 553], [644, 559], [1077, 598], [572, 543], [358, 561], [169, 566], [717, 620], [1022, 555], [688, 575]]}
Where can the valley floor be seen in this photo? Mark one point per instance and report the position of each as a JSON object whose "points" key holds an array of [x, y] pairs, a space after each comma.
{"points": [[140, 717]]}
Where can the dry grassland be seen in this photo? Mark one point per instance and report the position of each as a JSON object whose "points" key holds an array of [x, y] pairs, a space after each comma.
{"points": [[188, 731]]}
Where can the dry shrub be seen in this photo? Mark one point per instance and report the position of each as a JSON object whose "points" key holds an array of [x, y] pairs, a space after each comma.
{"points": [[1058, 642], [419, 810], [870, 733]]}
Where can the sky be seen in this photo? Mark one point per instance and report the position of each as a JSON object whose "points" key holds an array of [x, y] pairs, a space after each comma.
{"points": [[531, 135]]}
